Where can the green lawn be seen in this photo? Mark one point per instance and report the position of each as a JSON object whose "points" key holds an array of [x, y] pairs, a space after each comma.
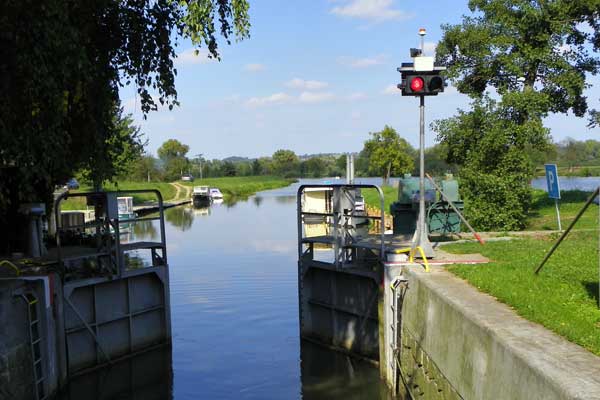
{"points": [[563, 297], [231, 187], [243, 186], [167, 190], [543, 213], [390, 195]]}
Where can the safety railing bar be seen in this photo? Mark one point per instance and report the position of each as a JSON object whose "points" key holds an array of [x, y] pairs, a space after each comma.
{"points": [[125, 221], [344, 215]]}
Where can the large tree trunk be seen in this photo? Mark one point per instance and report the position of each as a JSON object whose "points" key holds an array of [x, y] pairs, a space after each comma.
{"points": [[387, 174]]}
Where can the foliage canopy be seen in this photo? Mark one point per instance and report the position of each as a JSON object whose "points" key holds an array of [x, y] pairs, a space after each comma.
{"points": [[388, 154], [534, 54], [61, 66]]}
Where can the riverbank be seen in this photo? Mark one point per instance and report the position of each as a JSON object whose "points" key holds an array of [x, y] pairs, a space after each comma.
{"points": [[242, 187], [564, 297], [233, 188], [542, 215]]}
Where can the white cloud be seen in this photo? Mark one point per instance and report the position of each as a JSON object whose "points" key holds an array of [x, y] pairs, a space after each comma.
{"points": [[190, 57], [276, 98], [363, 62], [315, 97], [391, 89], [357, 96], [298, 83], [254, 67], [372, 10]]}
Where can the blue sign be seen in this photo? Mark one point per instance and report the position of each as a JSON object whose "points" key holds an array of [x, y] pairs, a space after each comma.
{"points": [[552, 181]]}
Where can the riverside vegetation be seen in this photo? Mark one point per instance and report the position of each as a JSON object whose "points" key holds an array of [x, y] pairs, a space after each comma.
{"points": [[233, 188], [564, 296]]}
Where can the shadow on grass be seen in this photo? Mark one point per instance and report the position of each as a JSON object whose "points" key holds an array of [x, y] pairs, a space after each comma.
{"points": [[540, 198], [592, 289]]}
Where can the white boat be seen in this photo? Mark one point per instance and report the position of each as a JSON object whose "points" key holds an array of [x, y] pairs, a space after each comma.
{"points": [[215, 193], [125, 207], [201, 196]]}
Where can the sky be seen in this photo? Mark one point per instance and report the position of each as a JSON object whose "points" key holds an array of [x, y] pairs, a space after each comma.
{"points": [[316, 76]]}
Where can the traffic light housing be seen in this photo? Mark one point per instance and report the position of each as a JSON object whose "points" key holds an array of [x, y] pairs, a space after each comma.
{"points": [[421, 83]]}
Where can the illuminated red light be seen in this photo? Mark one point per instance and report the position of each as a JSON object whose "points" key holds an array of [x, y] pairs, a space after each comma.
{"points": [[417, 84]]}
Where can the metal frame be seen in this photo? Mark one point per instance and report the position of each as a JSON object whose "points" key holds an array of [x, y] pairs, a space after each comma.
{"points": [[341, 239], [114, 251]]}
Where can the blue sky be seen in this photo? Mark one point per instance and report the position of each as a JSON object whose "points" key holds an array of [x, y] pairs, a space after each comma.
{"points": [[316, 76]]}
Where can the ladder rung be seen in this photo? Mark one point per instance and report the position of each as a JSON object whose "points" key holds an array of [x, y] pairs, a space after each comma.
{"points": [[39, 381], [36, 341], [35, 321], [37, 361]]}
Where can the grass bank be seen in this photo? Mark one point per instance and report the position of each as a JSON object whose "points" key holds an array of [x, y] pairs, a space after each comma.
{"points": [[232, 188], [371, 197], [563, 297], [166, 189], [242, 187], [543, 211]]}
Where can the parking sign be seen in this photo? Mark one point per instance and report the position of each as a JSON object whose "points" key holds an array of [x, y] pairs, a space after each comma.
{"points": [[552, 181]]}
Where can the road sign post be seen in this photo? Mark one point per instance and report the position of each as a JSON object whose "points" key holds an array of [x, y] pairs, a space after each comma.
{"points": [[553, 188]]}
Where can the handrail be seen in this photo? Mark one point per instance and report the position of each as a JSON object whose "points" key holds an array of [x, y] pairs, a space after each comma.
{"points": [[103, 195], [13, 266], [301, 190]]}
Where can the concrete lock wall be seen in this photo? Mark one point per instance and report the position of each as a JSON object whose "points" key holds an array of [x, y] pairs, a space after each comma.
{"points": [[457, 343], [16, 363]]}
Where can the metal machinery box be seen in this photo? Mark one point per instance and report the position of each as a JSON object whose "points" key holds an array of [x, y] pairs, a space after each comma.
{"points": [[440, 216]]}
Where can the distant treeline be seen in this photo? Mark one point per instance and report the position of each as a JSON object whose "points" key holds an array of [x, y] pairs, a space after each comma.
{"points": [[573, 157], [173, 161]]}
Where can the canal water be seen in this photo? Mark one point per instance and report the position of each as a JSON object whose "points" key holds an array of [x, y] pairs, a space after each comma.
{"points": [[234, 313]]}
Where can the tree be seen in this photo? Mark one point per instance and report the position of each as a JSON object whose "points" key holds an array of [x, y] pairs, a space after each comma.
{"points": [[496, 167], [229, 169], [315, 167], [285, 163], [534, 55], [388, 154], [256, 167], [436, 163], [173, 154], [144, 169], [119, 152], [61, 66]]}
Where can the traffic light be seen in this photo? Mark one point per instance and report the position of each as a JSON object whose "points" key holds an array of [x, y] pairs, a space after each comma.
{"points": [[421, 83]]}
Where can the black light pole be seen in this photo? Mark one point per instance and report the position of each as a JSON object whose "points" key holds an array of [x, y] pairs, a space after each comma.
{"points": [[419, 79]]}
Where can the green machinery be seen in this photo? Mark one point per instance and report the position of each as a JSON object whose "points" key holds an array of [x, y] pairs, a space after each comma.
{"points": [[440, 216]]}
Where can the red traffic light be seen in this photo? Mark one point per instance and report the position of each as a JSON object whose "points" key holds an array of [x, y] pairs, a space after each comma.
{"points": [[417, 84]]}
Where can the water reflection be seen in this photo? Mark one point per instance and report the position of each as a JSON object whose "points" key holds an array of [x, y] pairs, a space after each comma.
{"points": [[146, 376], [286, 199], [180, 217], [326, 374], [257, 200], [145, 230]]}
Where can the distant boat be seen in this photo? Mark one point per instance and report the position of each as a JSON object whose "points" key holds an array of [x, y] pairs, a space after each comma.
{"points": [[215, 194], [125, 206], [201, 196]]}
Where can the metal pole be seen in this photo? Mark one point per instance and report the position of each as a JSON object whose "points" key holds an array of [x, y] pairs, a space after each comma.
{"points": [[557, 214], [421, 238], [565, 233], [462, 218]]}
